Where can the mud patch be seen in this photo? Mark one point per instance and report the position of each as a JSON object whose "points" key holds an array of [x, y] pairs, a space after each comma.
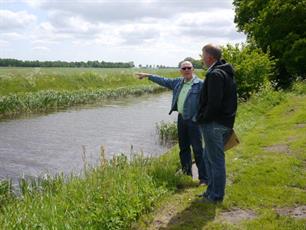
{"points": [[236, 215], [301, 125], [162, 220], [280, 148], [296, 212]]}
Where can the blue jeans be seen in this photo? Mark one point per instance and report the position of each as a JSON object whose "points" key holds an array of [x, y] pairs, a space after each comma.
{"points": [[214, 136], [189, 134]]}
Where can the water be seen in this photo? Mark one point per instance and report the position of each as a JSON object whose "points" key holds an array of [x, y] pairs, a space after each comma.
{"points": [[54, 143]]}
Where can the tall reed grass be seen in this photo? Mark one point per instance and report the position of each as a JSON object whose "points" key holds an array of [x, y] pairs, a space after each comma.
{"points": [[167, 132], [51, 100], [110, 196]]}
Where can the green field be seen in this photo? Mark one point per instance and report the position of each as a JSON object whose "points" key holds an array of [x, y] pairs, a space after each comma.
{"points": [[28, 80], [27, 90]]}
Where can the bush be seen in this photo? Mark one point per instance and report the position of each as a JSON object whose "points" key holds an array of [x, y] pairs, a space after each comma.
{"points": [[252, 67]]}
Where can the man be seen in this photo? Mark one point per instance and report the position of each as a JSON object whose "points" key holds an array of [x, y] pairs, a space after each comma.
{"points": [[186, 92], [218, 105]]}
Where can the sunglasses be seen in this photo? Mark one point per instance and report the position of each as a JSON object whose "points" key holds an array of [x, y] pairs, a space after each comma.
{"points": [[184, 68]]}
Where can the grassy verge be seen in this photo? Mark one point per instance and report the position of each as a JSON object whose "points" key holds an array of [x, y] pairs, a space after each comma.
{"points": [[265, 173]]}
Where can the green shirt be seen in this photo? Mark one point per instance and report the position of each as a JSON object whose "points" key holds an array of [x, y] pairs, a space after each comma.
{"points": [[183, 94]]}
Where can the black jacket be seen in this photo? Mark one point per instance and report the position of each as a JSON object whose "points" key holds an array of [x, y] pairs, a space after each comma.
{"points": [[218, 99]]}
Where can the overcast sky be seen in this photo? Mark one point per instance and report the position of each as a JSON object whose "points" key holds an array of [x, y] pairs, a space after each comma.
{"points": [[143, 31]]}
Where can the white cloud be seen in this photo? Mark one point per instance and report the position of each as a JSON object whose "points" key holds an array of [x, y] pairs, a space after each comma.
{"points": [[4, 43], [10, 20], [120, 10], [41, 48]]}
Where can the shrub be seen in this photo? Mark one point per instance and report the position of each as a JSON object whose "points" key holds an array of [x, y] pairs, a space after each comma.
{"points": [[252, 67]]}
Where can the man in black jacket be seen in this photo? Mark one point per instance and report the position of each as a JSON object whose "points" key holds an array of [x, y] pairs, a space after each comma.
{"points": [[218, 105]]}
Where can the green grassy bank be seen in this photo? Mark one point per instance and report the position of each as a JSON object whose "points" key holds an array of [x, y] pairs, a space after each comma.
{"points": [[266, 173], [118, 193]]}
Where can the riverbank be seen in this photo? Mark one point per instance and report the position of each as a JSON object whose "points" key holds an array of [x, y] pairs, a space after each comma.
{"points": [[34, 90], [263, 180], [266, 186]]}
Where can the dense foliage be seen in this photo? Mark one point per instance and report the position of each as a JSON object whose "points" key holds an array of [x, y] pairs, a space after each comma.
{"points": [[252, 67], [278, 27], [88, 64]]}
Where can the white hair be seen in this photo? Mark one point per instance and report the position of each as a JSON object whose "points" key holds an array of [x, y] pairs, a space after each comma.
{"points": [[186, 62]]}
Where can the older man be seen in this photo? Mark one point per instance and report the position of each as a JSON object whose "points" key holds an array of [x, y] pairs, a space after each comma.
{"points": [[186, 91], [218, 105]]}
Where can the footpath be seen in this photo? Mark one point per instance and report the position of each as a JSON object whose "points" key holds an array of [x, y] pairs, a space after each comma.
{"points": [[266, 180]]}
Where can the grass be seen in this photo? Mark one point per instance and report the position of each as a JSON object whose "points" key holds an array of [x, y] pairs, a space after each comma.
{"points": [[167, 131], [110, 196], [31, 80], [258, 179], [122, 194], [28, 90]]}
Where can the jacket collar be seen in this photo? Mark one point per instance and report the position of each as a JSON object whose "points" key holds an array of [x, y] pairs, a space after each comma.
{"points": [[216, 63], [195, 80]]}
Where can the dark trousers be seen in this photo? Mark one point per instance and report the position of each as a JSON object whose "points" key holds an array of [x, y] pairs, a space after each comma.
{"points": [[189, 134]]}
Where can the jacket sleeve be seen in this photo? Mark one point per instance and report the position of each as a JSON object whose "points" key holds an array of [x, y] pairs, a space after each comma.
{"points": [[165, 82], [215, 86]]}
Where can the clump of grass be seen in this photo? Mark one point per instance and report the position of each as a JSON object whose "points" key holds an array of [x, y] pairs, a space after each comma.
{"points": [[167, 132]]}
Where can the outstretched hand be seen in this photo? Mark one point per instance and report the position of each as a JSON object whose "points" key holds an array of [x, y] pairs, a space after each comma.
{"points": [[142, 75]]}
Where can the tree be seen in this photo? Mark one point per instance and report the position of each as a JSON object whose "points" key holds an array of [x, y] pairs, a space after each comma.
{"points": [[197, 64], [278, 27]]}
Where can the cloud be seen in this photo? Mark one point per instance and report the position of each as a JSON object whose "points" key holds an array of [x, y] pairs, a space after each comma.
{"points": [[139, 30], [4, 43], [112, 11], [10, 20], [138, 36], [41, 48]]}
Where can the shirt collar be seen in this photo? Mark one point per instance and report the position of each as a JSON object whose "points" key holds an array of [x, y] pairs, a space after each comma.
{"points": [[191, 81]]}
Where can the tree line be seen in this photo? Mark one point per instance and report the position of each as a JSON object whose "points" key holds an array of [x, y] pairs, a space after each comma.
{"points": [[5, 62]]}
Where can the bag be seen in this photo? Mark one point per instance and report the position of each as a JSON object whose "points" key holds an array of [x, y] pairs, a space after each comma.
{"points": [[231, 141]]}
